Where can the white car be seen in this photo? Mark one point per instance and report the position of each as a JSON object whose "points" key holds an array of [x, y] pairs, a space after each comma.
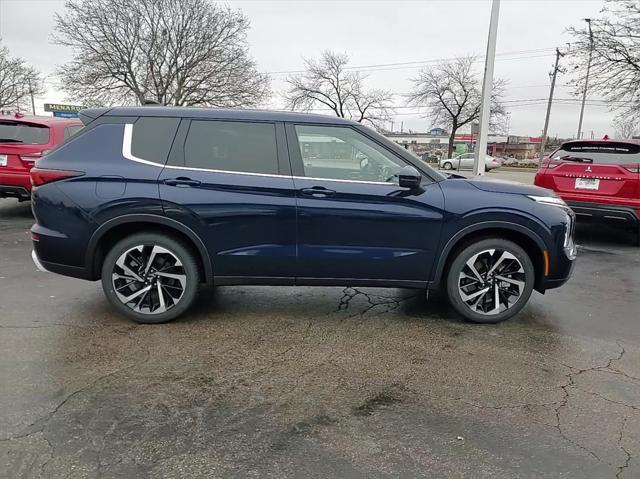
{"points": [[465, 162]]}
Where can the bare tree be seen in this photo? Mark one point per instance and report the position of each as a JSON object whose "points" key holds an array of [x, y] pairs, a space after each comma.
{"points": [[626, 126], [17, 81], [451, 92], [328, 83], [187, 52], [615, 64]]}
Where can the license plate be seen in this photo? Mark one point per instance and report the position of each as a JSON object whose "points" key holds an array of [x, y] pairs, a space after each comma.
{"points": [[587, 183], [3, 160]]}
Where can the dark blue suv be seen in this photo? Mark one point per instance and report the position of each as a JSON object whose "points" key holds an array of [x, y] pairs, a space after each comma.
{"points": [[156, 201]]}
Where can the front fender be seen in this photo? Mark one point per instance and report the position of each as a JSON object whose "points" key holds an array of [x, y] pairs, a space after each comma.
{"points": [[473, 224]]}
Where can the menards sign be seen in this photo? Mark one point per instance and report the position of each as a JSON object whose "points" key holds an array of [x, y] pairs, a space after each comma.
{"points": [[56, 107]]}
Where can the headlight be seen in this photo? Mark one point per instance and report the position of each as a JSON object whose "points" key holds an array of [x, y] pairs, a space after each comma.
{"points": [[549, 200]]}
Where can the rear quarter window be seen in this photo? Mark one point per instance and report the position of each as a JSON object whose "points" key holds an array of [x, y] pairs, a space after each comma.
{"points": [[71, 130], [152, 138]]}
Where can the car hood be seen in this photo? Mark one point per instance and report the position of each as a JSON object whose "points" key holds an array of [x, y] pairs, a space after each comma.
{"points": [[504, 186]]}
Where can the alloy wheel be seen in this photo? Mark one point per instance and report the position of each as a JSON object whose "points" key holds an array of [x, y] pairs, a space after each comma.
{"points": [[491, 281], [149, 279]]}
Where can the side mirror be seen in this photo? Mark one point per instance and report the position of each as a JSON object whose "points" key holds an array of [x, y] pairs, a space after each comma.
{"points": [[409, 177]]}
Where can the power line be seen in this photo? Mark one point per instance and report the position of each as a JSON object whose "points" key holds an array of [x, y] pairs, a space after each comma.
{"points": [[419, 63]]}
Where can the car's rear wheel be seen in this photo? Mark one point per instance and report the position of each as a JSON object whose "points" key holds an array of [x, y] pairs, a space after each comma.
{"points": [[447, 165], [490, 281], [150, 278]]}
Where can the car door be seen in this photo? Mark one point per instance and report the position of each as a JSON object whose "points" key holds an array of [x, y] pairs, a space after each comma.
{"points": [[467, 161], [230, 182], [354, 221]]}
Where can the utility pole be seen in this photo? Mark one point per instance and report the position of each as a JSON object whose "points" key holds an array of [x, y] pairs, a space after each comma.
{"points": [[546, 120], [586, 80], [487, 86], [33, 104]]}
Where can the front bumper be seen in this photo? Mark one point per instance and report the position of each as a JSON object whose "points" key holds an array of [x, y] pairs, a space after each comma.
{"points": [[567, 269]]}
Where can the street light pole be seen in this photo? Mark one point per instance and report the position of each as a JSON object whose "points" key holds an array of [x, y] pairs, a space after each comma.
{"points": [[487, 86], [586, 80], [33, 104], [543, 144]]}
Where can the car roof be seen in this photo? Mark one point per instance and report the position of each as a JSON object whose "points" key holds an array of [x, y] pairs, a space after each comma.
{"points": [[41, 120], [218, 113]]}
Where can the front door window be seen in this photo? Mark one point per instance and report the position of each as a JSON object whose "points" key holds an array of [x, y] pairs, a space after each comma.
{"points": [[342, 153]]}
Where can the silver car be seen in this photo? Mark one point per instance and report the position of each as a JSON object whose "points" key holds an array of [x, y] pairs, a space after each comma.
{"points": [[465, 162]]}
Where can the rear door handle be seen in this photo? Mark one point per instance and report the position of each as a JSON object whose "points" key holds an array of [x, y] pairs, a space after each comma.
{"points": [[317, 192], [182, 182]]}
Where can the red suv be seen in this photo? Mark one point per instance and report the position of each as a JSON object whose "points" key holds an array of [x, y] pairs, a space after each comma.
{"points": [[598, 179], [23, 140]]}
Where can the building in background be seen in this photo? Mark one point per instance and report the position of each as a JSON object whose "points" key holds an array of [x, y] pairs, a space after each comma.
{"points": [[432, 146]]}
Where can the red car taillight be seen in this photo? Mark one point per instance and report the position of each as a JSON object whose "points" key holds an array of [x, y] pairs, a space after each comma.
{"points": [[40, 176], [632, 169]]}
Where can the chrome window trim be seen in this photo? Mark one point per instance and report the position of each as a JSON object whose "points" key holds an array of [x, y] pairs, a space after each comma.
{"points": [[344, 181], [127, 140]]}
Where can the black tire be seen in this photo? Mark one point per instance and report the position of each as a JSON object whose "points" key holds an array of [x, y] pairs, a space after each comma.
{"points": [[447, 165], [459, 266], [188, 270]]}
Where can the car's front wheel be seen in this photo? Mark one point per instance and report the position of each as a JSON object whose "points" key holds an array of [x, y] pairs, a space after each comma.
{"points": [[150, 277], [447, 165], [490, 281]]}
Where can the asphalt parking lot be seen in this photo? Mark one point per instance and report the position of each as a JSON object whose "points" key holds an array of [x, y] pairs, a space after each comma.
{"points": [[320, 382]]}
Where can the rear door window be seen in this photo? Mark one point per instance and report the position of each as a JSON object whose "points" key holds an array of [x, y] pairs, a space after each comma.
{"points": [[610, 153], [232, 146], [25, 133]]}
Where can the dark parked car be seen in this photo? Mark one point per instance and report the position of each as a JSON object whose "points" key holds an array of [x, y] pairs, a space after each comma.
{"points": [[155, 201]]}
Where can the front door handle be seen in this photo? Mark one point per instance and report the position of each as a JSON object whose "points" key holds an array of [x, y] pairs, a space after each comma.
{"points": [[317, 192], [181, 181]]}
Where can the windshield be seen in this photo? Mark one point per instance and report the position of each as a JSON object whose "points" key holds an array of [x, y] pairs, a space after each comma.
{"points": [[610, 153], [27, 133]]}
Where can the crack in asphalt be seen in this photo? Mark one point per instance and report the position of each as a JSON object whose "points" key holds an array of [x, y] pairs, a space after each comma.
{"points": [[350, 292], [622, 467], [565, 400], [51, 455], [604, 398], [41, 423]]}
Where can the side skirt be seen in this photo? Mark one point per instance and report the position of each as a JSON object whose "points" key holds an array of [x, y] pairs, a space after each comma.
{"points": [[290, 281]]}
